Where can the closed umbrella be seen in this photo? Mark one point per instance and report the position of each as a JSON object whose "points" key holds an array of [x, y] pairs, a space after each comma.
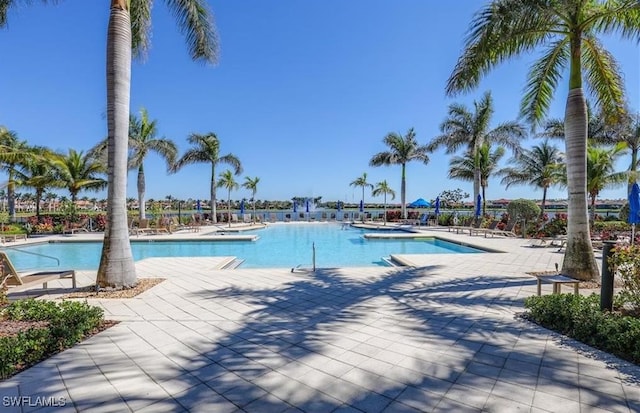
{"points": [[437, 211], [242, 207], [198, 206], [361, 206], [338, 206], [478, 205], [634, 209], [295, 206], [307, 206]]}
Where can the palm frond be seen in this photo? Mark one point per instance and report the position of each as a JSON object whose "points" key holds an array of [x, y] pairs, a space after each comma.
{"points": [[603, 78], [196, 23], [543, 80], [140, 12]]}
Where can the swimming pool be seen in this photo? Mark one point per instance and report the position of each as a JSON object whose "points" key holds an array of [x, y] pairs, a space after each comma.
{"points": [[278, 246]]}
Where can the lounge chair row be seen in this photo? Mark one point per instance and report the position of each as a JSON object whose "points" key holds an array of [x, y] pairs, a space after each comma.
{"points": [[473, 226]]}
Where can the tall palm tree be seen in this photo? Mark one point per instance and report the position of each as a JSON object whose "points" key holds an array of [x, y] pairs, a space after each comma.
{"points": [[483, 160], [127, 35], [77, 171], [362, 182], [568, 30], [541, 167], [402, 150], [207, 150], [470, 130], [252, 185], [142, 140], [383, 188], [601, 172], [227, 181]]}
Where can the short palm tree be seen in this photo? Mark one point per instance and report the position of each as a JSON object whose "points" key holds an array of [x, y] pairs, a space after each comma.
{"points": [[402, 150], [601, 173], [568, 30], [252, 185], [38, 173], [227, 181], [463, 129], [76, 171], [484, 160], [383, 188], [13, 154], [541, 167], [143, 140], [362, 182], [207, 150]]}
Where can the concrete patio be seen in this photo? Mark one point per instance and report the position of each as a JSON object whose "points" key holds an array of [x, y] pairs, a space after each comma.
{"points": [[440, 336]]}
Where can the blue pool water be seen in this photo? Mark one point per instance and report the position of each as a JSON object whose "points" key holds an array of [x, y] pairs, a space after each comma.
{"points": [[279, 246]]}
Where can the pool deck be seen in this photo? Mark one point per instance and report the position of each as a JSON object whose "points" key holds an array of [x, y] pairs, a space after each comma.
{"points": [[442, 335]]}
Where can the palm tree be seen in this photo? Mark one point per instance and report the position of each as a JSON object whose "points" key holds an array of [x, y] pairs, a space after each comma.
{"points": [[227, 181], [77, 171], [252, 185], [127, 35], [541, 167], [207, 150], [568, 29], [402, 150], [383, 188], [627, 132], [13, 153], [601, 172], [37, 173], [142, 140], [470, 130], [362, 181], [466, 167]]}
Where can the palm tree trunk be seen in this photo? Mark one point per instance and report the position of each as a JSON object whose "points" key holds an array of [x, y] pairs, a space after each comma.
{"points": [[117, 268], [484, 203], [403, 192], [384, 210], [212, 190], [477, 173], [229, 208], [142, 188], [579, 260], [363, 186], [544, 203], [11, 197]]}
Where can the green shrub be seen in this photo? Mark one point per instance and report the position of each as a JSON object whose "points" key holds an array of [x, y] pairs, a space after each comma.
{"points": [[580, 317], [625, 262], [68, 322]]}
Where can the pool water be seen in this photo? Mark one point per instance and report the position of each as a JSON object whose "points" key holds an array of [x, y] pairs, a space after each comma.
{"points": [[278, 246]]}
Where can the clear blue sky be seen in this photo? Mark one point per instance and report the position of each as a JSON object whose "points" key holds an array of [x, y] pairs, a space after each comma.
{"points": [[303, 94]]}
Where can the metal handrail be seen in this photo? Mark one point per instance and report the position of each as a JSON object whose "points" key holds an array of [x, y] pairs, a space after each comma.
{"points": [[34, 253]]}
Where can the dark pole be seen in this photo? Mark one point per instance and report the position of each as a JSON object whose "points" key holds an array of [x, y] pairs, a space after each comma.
{"points": [[606, 283], [179, 211]]}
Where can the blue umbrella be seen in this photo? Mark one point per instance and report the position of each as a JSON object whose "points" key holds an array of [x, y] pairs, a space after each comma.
{"points": [[437, 211], [338, 206], [295, 206], [361, 206], [478, 205], [307, 206], [242, 207], [634, 208], [420, 203], [198, 206]]}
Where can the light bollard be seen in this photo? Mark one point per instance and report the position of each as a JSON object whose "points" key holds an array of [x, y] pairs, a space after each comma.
{"points": [[606, 283]]}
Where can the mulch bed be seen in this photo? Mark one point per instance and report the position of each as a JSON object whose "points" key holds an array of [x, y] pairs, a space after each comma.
{"points": [[90, 292]]}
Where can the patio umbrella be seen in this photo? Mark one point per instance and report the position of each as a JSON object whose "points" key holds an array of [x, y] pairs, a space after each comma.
{"points": [[198, 206], [307, 207], [242, 207], [478, 205], [437, 210], [634, 209], [295, 206], [338, 206], [420, 203], [361, 206]]}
